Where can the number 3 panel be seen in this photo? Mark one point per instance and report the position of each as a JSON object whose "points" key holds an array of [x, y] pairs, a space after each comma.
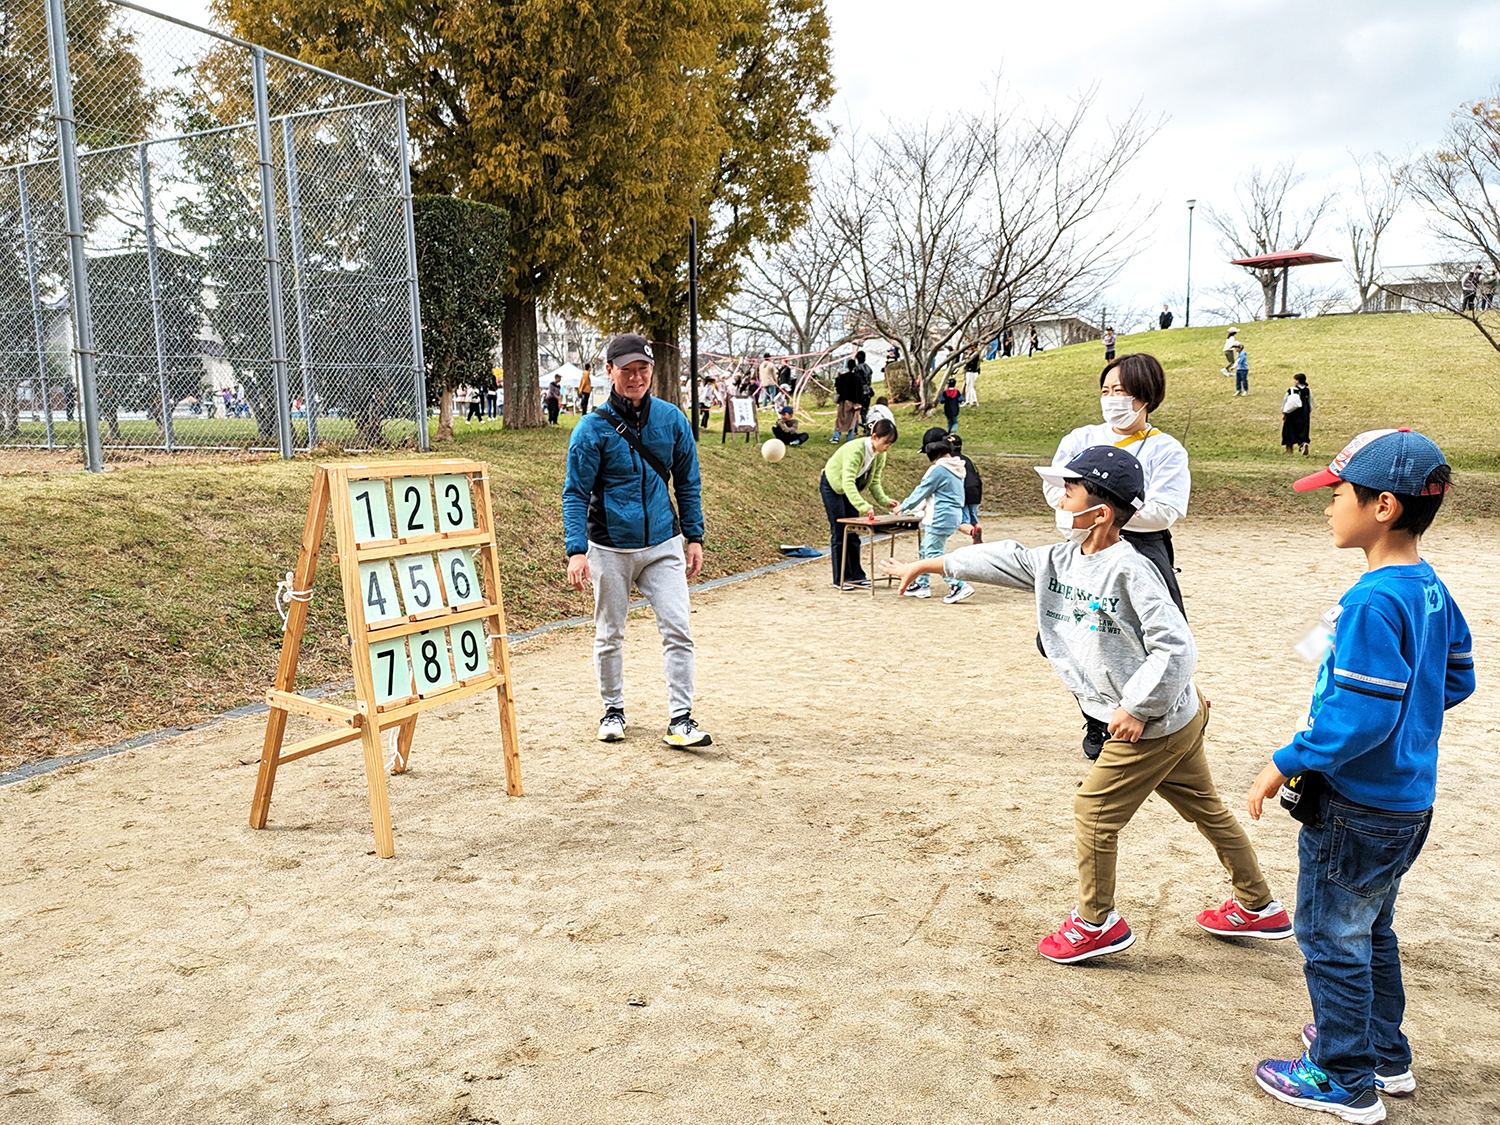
{"points": [[391, 670], [460, 577], [414, 511], [419, 585], [455, 505], [470, 653], [429, 659]]}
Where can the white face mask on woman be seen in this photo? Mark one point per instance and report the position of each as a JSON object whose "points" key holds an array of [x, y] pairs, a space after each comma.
{"points": [[1120, 411], [1065, 523]]}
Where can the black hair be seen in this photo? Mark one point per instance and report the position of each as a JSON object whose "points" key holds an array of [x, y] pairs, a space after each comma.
{"points": [[1417, 512], [1300, 378], [882, 401], [1121, 508], [956, 442], [884, 428], [860, 355], [1141, 376], [849, 364]]}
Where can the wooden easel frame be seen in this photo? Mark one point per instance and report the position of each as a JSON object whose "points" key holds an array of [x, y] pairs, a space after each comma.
{"points": [[731, 427], [367, 719]]}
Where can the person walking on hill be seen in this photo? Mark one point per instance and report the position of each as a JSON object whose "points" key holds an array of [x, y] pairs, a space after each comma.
{"points": [[1109, 344], [1036, 344], [848, 389], [971, 380], [1229, 341], [866, 388], [1296, 424], [1008, 344], [952, 399], [1241, 370], [626, 462], [1470, 287], [1164, 318]]}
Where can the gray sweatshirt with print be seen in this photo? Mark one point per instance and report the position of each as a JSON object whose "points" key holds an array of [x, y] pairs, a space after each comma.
{"points": [[1107, 623]]}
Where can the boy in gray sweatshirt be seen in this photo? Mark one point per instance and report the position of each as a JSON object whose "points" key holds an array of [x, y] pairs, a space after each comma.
{"points": [[1119, 644]]}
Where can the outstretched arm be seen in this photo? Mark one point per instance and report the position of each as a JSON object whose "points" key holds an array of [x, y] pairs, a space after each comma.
{"points": [[906, 573]]}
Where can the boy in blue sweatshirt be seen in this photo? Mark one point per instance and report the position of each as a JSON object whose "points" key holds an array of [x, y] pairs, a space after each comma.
{"points": [[1365, 774], [939, 496]]}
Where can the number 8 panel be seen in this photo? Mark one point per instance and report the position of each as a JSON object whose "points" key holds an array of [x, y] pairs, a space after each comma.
{"points": [[429, 660]]}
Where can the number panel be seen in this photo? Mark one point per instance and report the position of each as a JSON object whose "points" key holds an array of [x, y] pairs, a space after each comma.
{"points": [[419, 586], [378, 591], [391, 670], [460, 577], [455, 504], [371, 510], [429, 658], [471, 654], [414, 511]]}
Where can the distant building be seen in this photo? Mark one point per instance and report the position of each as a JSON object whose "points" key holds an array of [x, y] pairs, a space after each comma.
{"points": [[1417, 288]]}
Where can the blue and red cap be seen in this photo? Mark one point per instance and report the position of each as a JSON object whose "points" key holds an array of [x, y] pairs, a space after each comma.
{"points": [[1398, 461]]}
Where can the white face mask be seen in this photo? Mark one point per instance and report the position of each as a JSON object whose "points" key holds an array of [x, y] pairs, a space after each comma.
{"points": [[1120, 411], [1065, 523]]}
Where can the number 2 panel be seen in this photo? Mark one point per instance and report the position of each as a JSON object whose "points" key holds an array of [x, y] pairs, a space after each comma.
{"points": [[378, 591], [419, 585], [471, 656], [414, 512], [429, 659], [392, 672], [455, 507], [460, 577], [370, 509]]}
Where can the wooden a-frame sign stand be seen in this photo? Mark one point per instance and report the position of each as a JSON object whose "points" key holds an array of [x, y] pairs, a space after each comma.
{"points": [[437, 547]]}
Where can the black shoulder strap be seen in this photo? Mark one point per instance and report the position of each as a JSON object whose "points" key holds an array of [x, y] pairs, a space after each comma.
{"points": [[617, 424]]}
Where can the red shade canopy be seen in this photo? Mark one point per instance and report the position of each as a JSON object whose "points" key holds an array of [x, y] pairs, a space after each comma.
{"points": [[1280, 260]]}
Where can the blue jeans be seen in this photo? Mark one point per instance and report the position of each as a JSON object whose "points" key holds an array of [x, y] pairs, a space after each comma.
{"points": [[1350, 871], [1241, 380], [934, 546], [970, 514], [953, 424]]}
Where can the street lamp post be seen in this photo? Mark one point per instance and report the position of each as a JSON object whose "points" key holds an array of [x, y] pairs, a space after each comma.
{"points": [[1187, 309]]}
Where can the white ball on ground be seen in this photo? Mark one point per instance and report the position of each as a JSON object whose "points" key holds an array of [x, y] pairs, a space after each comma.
{"points": [[773, 450]]}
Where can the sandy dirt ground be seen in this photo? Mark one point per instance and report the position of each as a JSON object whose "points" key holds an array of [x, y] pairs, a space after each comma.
{"points": [[828, 916]]}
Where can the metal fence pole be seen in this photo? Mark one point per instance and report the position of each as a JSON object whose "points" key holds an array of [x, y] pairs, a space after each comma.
{"points": [[299, 274], [419, 362], [153, 272], [37, 327], [67, 159], [273, 260]]}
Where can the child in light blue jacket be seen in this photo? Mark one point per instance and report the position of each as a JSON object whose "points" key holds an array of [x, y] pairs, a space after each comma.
{"points": [[940, 497]]}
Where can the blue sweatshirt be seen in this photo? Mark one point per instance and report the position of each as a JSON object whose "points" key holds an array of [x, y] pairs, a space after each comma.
{"points": [[1401, 656], [612, 497], [944, 482]]}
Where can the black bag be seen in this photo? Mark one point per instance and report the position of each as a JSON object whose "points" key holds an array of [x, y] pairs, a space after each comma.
{"points": [[1302, 796]]}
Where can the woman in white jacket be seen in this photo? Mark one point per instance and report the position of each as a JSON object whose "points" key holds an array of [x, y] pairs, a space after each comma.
{"points": [[1130, 388]]}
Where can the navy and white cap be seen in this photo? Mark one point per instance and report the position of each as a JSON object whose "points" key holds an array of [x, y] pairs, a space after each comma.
{"points": [[1398, 461], [1114, 470], [628, 348]]}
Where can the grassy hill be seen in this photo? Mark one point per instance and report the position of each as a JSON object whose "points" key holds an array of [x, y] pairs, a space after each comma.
{"points": [[142, 598]]}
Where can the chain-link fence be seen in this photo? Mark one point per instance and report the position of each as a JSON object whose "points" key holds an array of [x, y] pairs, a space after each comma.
{"points": [[205, 248]]}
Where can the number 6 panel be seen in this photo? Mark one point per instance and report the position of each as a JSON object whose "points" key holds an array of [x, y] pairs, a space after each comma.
{"points": [[460, 577]]}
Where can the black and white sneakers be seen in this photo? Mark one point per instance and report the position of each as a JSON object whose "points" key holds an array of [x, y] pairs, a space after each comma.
{"points": [[612, 726], [682, 731]]}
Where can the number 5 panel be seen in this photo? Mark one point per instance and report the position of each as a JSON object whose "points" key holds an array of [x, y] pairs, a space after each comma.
{"points": [[414, 512], [455, 507], [392, 672], [429, 658], [370, 509], [419, 585], [470, 653], [378, 591], [460, 577]]}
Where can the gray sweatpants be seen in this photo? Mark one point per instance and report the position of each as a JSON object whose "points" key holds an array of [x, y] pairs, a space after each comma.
{"points": [[660, 573]]}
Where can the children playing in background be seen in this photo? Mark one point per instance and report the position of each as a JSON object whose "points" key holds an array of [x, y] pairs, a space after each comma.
{"points": [[1366, 770], [973, 490], [787, 428], [1241, 370], [1120, 645], [939, 496]]}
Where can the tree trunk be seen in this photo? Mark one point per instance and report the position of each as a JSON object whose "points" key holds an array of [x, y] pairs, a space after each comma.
{"points": [[523, 392], [369, 422], [1268, 288], [445, 416], [666, 377]]}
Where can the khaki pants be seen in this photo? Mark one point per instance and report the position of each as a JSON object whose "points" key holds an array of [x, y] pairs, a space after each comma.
{"points": [[1124, 776]]}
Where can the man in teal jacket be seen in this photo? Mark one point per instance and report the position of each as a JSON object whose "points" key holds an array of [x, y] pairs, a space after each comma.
{"points": [[621, 530]]}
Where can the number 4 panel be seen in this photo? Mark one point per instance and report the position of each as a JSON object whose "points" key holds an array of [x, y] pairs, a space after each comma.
{"points": [[378, 591], [429, 658], [470, 653], [419, 584]]}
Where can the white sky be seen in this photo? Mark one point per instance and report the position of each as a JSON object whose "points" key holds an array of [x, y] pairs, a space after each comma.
{"points": [[1240, 82]]}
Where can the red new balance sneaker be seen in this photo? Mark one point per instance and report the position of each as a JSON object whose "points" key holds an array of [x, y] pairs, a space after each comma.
{"points": [[1234, 920], [1078, 941]]}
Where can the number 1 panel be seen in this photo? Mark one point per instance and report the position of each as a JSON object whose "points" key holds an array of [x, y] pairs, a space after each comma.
{"points": [[378, 592], [414, 512], [470, 653], [419, 586], [455, 506], [429, 658], [392, 672], [460, 577], [370, 509]]}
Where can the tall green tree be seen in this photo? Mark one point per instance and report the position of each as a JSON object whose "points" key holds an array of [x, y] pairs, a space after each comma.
{"points": [[771, 82], [572, 117]]}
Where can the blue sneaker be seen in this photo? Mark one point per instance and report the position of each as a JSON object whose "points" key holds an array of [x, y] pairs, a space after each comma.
{"points": [[1389, 1078], [1301, 1082]]}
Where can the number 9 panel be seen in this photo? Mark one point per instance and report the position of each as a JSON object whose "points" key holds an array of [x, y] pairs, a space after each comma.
{"points": [[429, 660], [471, 655]]}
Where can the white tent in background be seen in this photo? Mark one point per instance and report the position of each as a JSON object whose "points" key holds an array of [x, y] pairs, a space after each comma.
{"points": [[571, 376]]}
